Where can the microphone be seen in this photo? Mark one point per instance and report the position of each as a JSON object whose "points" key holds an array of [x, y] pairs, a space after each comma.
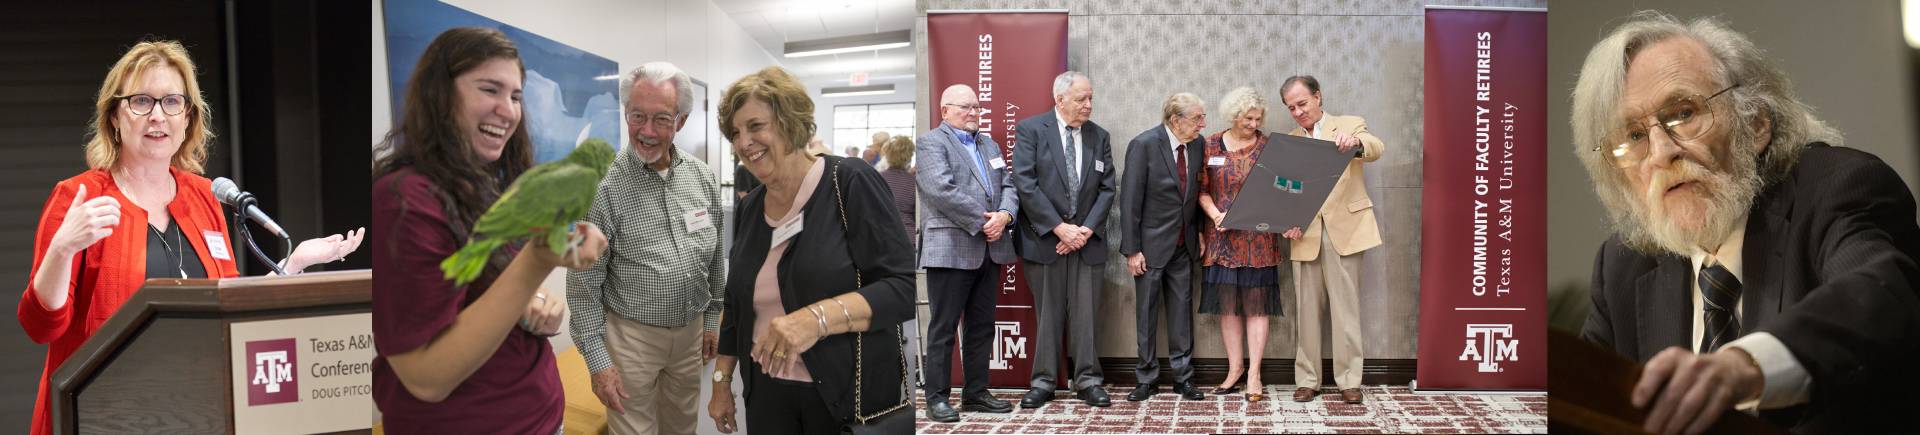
{"points": [[230, 194]]}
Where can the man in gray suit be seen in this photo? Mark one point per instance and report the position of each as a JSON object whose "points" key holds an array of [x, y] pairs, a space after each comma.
{"points": [[964, 184], [1158, 216], [1063, 170]]}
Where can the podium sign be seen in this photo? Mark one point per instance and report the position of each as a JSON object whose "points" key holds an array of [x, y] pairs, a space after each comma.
{"points": [[303, 375]]}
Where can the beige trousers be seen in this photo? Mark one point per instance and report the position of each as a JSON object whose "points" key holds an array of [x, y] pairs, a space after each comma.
{"points": [[661, 369], [1331, 281]]}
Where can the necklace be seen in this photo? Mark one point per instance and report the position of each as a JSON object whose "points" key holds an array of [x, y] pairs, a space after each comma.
{"points": [[178, 258]]}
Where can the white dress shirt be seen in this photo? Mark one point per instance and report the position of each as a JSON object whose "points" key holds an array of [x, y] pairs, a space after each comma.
{"points": [[1070, 139]]}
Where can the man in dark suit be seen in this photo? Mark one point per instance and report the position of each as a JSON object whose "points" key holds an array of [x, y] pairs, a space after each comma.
{"points": [[964, 184], [1158, 234], [1753, 266], [1063, 171]]}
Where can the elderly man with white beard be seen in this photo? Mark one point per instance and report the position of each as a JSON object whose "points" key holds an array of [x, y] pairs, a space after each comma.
{"points": [[647, 315], [1756, 266]]}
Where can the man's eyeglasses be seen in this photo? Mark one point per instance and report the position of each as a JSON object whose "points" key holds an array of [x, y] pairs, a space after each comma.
{"points": [[142, 104], [1683, 120], [662, 121], [972, 107]]}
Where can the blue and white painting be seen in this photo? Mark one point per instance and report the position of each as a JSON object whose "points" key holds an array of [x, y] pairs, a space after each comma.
{"points": [[569, 96]]}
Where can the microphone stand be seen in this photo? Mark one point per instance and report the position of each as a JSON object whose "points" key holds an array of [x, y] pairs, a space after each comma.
{"points": [[239, 220]]}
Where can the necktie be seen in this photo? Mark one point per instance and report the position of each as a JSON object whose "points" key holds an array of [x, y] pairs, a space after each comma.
{"points": [[1180, 167], [979, 166], [1721, 292], [1073, 168]]}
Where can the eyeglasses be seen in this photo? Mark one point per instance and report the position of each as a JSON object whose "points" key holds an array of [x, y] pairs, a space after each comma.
{"points": [[662, 121], [972, 107], [1683, 120], [142, 104]]}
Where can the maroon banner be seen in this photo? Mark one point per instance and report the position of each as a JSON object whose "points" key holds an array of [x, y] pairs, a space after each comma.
{"points": [[1483, 254], [1010, 59]]}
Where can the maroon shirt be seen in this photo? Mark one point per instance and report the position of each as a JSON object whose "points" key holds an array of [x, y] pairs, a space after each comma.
{"points": [[516, 391]]}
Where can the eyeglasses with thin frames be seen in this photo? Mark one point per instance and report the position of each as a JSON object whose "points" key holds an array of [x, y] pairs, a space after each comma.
{"points": [[661, 121], [1683, 120]]}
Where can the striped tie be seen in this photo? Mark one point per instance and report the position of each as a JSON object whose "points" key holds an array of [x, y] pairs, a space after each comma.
{"points": [[1721, 292]]}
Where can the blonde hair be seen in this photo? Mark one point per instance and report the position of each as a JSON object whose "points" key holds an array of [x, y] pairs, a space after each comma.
{"points": [[792, 109], [103, 146], [1239, 100], [898, 152]]}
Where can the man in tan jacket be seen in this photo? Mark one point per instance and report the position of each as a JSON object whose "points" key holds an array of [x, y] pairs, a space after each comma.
{"points": [[1326, 260]]}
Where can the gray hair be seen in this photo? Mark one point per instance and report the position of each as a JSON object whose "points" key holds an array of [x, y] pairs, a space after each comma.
{"points": [[1764, 92], [1239, 100], [657, 73], [1179, 104], [1065, 80]]}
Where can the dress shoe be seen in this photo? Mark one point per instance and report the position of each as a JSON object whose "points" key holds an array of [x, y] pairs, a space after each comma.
{"points": [[984, 402], [1035, 398], [942, 412], [1187, 391], [1143, 392], [1304, 394], [1229, 388], [1350, 395], [1256, 393], [1094, 396]]}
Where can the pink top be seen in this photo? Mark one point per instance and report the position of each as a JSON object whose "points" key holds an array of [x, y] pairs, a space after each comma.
{"points": [[766, 285]]}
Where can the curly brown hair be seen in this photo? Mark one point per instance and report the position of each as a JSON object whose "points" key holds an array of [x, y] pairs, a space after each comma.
{"points": [[792, 109]]}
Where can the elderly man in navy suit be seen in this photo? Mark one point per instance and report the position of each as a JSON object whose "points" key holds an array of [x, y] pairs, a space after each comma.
{"points": [[1063, 170], [1753, 266], [1159, 221], [963, 244]]}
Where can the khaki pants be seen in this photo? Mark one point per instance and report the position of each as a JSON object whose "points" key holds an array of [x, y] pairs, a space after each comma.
{"points": [[1330, 281], [661, 369]]}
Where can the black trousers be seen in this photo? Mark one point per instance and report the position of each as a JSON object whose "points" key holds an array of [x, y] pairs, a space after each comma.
{"points": [[954, 295], [1169, 289], [779, 406]]}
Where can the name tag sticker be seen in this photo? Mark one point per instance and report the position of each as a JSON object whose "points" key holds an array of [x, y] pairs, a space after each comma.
{"points": [[997, 163], [697, 220], [1217, 161], [1099, 166], [217, 245], [787, 231]]}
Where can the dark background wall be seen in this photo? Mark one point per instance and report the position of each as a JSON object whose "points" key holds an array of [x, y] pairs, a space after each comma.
{"points": [[286, 83]]}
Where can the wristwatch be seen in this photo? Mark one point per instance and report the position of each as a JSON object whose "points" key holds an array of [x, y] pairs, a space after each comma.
{"points": [[720, 376]]}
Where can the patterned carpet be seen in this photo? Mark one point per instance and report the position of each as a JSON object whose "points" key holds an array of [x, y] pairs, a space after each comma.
{"points": [[1387, 409]]}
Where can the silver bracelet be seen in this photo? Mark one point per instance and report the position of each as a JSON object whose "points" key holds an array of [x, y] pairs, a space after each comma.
{"points": [[844, 312], [818, 316]]}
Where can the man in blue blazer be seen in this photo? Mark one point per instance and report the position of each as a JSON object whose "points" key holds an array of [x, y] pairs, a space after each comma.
{"points": [[969, 200]]}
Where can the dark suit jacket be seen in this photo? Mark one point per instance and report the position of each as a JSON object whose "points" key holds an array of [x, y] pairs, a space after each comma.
{"points": [[1153, 208], [1039, 177], [817, 266], [1830, 270]]}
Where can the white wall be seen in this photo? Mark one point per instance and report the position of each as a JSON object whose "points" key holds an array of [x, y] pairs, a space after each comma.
{"points": [[903, 89]]}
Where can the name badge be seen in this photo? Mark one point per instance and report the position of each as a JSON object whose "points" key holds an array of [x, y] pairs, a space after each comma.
{"points": [[1099, 166], [217, 245], [780, 235], [697, 220], [996, 163], [1217, 161]]}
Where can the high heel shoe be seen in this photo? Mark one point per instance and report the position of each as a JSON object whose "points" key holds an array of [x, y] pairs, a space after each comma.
{"points": [[1255, 394], [1230, 388]]}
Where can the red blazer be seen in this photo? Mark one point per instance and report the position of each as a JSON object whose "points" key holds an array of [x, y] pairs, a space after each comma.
{"points": [[106, 274]]}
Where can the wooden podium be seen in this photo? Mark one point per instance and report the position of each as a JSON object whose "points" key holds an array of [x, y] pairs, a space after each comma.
{"points": [[164, 361], [1592, 388]]}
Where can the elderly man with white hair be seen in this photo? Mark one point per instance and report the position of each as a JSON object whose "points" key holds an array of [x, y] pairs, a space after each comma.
{"points": [[1063, 171], [647, 314], [1755, 264]]}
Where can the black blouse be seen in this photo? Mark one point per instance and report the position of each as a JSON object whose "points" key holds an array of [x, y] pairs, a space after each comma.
{"points": [[816, 266], [169, 255]]}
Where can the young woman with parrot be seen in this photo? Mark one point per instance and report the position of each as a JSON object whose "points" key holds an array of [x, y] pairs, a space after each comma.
{"points": [[469, 355]]}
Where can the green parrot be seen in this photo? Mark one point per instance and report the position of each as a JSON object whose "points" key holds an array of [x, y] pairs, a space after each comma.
{"points": [[545, 201]]}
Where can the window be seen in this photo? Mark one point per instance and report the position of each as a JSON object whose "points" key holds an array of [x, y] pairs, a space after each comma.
{"points": [[854, 125]]}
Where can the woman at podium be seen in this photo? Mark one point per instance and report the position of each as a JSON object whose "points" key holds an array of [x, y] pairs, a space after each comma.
{"points": [[141, 210], [450, 359]]}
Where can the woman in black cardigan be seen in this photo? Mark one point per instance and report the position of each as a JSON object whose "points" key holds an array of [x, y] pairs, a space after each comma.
{"points": [[792, 306]]}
